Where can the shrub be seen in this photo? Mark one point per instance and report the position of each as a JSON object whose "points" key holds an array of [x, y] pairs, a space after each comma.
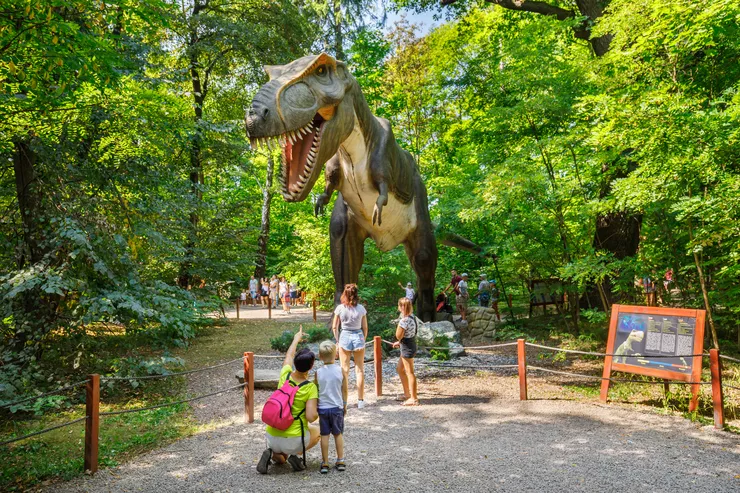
{"points": [[282, 342], [317, 334], [440, 354]]}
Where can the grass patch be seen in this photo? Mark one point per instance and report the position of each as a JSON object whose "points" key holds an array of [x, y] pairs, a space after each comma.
{"points": [[231, 340]]}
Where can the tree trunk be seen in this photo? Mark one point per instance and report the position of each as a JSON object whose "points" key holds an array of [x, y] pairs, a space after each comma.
{"points": [[338, 38], [34, 310], [260, 267]]}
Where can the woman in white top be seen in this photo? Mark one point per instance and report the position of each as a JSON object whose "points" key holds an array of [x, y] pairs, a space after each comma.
{"points": [[351, 342]]}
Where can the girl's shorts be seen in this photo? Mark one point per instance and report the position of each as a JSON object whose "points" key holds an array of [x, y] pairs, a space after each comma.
{"points": [[286, 445], [352, 340], [408, 347]]}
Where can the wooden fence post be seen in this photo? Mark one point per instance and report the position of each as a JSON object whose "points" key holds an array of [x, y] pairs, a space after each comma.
{"points": [[249, 387], [269, 308], [522, 361], [92, 423], [378, 360], [314, 309], [715, 366], [237, 308]]}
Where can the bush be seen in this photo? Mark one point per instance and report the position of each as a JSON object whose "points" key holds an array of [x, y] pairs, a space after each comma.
{"points": [[282, 342], [316, 334], [440, 354]]}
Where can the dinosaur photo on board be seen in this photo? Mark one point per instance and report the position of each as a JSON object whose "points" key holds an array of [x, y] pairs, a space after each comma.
{"points": [[314, 109]]}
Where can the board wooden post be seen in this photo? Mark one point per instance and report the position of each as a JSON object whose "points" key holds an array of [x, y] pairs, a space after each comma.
{"points": [[249, 387], [92, 423], [715, 365], [378, 361], [237, 308], [269, 308], [521, 354], [314, 309]]}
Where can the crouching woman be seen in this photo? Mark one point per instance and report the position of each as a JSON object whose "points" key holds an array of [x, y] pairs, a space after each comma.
{"points": [[287, 445]]}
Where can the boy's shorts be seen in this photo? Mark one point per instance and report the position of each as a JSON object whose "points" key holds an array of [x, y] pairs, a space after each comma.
{"points": [[331, 421]]}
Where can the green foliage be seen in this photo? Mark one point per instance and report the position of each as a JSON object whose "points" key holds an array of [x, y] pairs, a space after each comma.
{"points": [[440, 341], [318, 334], [283, 341]]}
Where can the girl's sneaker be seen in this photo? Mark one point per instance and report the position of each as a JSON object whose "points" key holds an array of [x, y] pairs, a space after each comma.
{"points": [[340, 465], [360, 404], [324, 468]]}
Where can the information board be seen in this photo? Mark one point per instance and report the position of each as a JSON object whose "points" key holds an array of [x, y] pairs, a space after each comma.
{"points": [[659, 342]]}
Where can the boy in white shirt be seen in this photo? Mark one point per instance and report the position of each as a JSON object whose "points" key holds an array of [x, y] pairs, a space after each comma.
{"points": [[332, 405]]}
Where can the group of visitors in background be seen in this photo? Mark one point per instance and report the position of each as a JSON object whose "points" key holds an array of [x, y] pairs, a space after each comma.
{"points": [[325, 397], [487, 293], [650, 289], [274, 291]]}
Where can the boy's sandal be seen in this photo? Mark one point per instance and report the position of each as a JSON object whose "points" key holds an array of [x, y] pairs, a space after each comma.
{"points": [[324, 468], [402, 398], [341, 466], [410, 402]]}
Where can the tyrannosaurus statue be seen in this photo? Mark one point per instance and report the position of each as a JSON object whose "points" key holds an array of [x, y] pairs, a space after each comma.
{"points": [[316, 111]]}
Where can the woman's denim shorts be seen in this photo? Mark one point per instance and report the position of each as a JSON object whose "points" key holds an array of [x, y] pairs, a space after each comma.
{"points": [[352, 340]]}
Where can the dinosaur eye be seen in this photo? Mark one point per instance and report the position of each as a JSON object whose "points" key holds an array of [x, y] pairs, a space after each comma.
{"points": [[321, 70]]}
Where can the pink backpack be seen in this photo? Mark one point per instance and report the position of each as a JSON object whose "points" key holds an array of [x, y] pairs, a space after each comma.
{"points": [[277, 410]]}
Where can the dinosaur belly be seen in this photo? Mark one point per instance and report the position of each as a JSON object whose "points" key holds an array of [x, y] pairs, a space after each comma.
{"points": [[398, 219]]}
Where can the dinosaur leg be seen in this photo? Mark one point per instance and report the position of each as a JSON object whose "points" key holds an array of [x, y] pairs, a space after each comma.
{"points": [[421, 249], [347, 247]]}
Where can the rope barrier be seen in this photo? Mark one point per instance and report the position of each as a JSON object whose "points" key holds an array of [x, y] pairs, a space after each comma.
{"points": [[573, 351], [138, 409], [60, 389], [51, 428], [483, 367], [724, 385], [174, 374], [276, 356], [729, 358], [619, 380], [492, 346]]}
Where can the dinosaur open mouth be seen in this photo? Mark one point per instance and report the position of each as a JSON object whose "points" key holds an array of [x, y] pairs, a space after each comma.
{"points": [[300, 150]]}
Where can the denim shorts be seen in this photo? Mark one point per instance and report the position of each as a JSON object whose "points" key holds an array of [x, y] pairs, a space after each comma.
{"points": [[352, 340], [331, 421]]}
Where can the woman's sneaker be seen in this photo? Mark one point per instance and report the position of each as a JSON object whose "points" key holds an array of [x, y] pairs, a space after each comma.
{"points": [[360, 404], [296, 463], [264, 462]]}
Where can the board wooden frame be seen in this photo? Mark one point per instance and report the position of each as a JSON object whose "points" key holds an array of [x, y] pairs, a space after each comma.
{"points": [[694, 376]]}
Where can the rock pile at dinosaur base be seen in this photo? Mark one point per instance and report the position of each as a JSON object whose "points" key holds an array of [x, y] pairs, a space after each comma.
{"points": [[481, 323]]}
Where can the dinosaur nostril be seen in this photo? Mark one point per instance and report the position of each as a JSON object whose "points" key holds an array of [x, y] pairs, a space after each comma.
{"points": [[265, 111]]}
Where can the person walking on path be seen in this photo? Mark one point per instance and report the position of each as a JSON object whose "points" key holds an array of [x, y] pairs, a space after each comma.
{"points": [[410, 293], [265, 294], [286, 445], [406, 340], [253, 290], [284, 294], [243, 298], [484, 291], [462, 297], [274, 285], [294, 293], [353, 320], [332, 405]]}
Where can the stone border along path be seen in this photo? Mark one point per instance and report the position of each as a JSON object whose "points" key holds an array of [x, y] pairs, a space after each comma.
{"points": [[470, 433]]}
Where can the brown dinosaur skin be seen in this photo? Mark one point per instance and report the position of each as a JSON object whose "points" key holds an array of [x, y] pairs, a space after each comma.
{"points": [[380, 191]]}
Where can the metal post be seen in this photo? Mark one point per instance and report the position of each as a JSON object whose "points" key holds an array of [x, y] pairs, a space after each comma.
{"points": [[249, 387], [314, 309], [92, 423], [715, 365], [378, 360], [522, 361]]}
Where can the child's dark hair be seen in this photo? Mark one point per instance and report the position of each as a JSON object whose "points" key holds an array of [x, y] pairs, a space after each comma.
{"points": [[350, 296]]}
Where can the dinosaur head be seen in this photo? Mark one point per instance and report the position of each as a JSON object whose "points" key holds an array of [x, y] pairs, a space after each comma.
{"points": [[303, 109]]}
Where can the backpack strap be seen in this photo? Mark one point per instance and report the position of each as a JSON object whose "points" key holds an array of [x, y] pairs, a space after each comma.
{"points": [[298, 417]]}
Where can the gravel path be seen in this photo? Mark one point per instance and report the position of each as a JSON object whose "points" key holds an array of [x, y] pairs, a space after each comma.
{"points": [[471, 433]]}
